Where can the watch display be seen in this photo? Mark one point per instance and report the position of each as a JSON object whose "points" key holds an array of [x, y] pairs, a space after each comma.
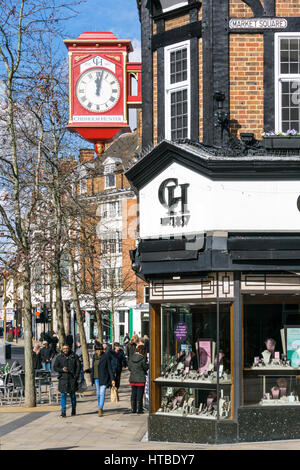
{"points": [[194, 403]]}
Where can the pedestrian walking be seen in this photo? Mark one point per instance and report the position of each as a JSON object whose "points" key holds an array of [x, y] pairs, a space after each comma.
{"points": [[46, 356], [37, 358], [118, 362], [69, 340], [131, 346], [126, 340], [68, 367], [101, 375], [16, 333], [147, 343], [54, 342], [78, 352], [138, 367]]}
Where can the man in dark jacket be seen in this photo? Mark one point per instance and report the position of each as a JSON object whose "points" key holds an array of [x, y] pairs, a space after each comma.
{"points": [[138, 367], [117, 361], [68, 367]]}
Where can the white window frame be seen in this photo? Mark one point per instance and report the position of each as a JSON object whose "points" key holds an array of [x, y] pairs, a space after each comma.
{"points": [[279, 77], [107, 186], [171, 87], [109, 168], [107, 212], [169, 5]]}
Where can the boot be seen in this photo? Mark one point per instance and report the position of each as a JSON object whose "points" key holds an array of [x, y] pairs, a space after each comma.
{"points": [[133, 407], [73, 412], [63, 414], [100, 413]]}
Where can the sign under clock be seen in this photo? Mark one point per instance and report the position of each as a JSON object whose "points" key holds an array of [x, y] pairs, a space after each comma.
{"points": [[100, 86]]}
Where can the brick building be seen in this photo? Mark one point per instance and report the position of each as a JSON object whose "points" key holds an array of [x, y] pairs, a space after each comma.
{"points": [[113, 233], [219, 224]]}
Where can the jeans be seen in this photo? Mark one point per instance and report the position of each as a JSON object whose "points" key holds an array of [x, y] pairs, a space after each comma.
{"points": [[137, 393], [46, 366], [100, 392], [63, 401]]}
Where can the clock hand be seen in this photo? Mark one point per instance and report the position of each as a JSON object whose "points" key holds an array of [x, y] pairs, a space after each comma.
{"points": [[98, 82]]}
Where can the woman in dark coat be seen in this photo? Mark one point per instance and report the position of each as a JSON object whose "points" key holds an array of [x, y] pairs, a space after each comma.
{"points": [[67, 365], [138, 367], [102, 375], [37, 359]]}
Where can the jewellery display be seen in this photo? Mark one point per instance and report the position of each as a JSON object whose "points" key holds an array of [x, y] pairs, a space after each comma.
{"points": [[186, 402], [270, 359], [180, 369]]}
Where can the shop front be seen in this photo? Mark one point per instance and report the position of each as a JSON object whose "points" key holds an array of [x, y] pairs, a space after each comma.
{"points": [[220, 248]]}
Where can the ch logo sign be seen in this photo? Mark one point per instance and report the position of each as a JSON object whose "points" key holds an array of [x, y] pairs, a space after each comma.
{"points": [[170, 195]]}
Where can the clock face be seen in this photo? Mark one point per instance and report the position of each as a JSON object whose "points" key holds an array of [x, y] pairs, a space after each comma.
{"points": [[98, 90]]}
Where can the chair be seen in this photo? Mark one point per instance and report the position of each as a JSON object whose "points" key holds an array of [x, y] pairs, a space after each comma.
{"points": [[18, 381], [44, 378], [5, 388]]}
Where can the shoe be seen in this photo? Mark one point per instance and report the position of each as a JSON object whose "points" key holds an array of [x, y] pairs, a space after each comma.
{"points": [[140, 412], [73, 412], [133, 411], [100, 413], [63, 414]]}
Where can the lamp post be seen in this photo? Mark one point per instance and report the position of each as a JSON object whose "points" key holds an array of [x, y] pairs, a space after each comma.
{"points": [[221, 116]]}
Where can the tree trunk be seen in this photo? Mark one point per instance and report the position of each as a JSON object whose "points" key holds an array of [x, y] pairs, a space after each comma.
{"points": [[99, 321], [58, 304], [83, 342], [30, 396]]}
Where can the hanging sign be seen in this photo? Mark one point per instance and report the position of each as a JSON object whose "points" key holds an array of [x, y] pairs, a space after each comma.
{"points": [[258, 23]]}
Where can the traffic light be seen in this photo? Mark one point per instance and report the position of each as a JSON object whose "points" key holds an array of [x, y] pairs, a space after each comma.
{"points": [[83, 315], [16, 314], [45, 314], [38, 316]]}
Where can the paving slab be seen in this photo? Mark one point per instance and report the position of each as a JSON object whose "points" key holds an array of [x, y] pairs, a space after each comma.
{"points": [[42, 428]]}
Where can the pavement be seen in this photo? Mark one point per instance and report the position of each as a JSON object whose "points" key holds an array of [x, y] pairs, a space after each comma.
{"points": [[42, 428]]}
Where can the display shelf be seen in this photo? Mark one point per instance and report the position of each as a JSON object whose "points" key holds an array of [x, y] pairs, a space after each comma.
{"points": [[273, 402], [213, 418], [269, 371], [163, 380], [275, 367]]}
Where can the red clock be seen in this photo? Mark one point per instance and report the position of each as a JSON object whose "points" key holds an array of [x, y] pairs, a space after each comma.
{"points": [[100, 86]]}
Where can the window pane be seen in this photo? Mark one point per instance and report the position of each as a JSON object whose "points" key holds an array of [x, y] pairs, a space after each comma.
{"points": [[178, 66], [271, 367], [290, 114], [189, 356], [179, 118]]}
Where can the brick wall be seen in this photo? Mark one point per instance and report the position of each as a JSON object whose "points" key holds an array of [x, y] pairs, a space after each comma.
{"points": [[238, 8], [86, 154], [287, 7], [177, 22], [129, 216], [246, 83]]}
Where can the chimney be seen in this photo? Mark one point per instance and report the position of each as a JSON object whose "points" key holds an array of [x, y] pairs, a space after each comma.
{"points": [[86, 155]]}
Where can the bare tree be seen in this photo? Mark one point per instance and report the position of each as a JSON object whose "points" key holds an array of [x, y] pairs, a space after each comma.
{"points": [[21, 161]]}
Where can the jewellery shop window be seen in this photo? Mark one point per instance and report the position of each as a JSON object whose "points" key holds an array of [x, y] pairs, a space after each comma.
{"points": [[194, 382], [271, 350]]}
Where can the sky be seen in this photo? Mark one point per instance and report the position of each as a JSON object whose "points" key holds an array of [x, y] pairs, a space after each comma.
{"points": [[118, 16]]}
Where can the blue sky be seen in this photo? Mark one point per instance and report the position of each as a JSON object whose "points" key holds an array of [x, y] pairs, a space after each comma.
{"points": [[117, 16]]}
